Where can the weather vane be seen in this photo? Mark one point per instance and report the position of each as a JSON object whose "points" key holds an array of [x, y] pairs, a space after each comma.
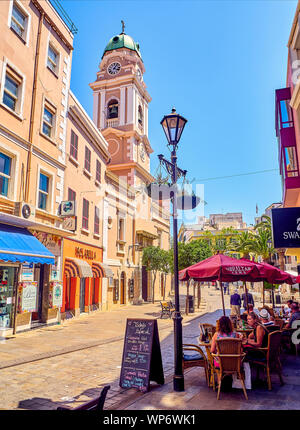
{"points": [[123, 27]]}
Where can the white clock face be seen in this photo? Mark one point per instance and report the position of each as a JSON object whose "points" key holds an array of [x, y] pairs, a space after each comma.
{"points": [[114, 68]]}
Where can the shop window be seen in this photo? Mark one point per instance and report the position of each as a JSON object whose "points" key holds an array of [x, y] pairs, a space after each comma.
{"points": [[113, 109], [49, 117], [53, 59], [74, 145], [7, 280], [98, 171], [87, 160], [96, 221], [5, 172], [43, 191], [13, 90], [85, 214]]}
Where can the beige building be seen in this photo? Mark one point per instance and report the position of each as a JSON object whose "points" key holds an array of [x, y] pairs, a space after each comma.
{"points": [[73, 186], [35, 65]]}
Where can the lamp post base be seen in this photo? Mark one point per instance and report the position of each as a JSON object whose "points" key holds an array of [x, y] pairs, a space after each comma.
{"points": [[178, 383]]}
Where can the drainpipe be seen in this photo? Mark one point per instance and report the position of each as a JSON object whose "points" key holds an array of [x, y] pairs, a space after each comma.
{"points": [[33, 103]]}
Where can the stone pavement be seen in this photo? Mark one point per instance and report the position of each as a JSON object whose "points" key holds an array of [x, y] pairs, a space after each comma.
{"points": [[70, 363]]}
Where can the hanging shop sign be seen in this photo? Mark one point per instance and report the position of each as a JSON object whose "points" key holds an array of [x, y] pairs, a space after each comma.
{"points": [[27, 272], [28, 296], [50, 241], [55, 294], [286, 227], [68, 208], [69, 223]]}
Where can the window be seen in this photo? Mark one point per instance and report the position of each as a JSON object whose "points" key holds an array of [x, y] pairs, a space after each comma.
{"points": [[43, 191], [71, 195], [74, 145], [96, 221], [5, 169], [121, 229], [98, 171], [49, 116], [140, 115], [87, 160], [12, 90], [53, 59], [112, 109], [18, 21], [85, 214]]}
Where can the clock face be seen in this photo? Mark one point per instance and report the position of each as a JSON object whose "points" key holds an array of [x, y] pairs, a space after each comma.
{"points": [[139, 74], [114, 68]]}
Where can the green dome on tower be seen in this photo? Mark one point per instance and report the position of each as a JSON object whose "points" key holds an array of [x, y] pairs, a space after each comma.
{"points": [[122, 40]]}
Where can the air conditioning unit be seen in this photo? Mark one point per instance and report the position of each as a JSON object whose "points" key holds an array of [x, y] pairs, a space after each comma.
{"points": [[24, 210]]}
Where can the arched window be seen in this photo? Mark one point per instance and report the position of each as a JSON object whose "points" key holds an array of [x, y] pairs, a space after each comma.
{"points": [[140, 115], [113, 109]]}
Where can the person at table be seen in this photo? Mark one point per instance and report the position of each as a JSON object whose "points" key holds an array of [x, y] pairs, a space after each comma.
{"points": [[224, 329], [250, 300], [295, 314], [266, 319], [287, 308], [235, 304], [251, 309], [258, 338]]}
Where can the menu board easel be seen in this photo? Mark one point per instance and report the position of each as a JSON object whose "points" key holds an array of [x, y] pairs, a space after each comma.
{"points": [[141, 362]]}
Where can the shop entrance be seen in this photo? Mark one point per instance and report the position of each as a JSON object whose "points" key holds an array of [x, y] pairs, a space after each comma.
{"points": [[82, 295]]}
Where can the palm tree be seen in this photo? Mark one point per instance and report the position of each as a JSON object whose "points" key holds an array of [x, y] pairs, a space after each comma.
{"points": [[241, 243], [265, 223], [260, 244]]}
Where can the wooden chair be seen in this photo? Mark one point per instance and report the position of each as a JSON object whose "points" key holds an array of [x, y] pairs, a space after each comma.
{"points": [[167, 309], [96, 404], [211, 329], [270, 359], [198, 359], [230, 357]]}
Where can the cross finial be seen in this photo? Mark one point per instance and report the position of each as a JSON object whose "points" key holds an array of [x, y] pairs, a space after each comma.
{"points": [[123, 27]]}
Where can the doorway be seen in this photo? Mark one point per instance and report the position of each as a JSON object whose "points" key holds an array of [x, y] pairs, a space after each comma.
{"points": [[82, 295], [123, 291]]}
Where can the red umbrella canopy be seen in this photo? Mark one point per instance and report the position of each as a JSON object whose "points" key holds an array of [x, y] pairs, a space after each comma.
{"points": [[272, 274], [221, 267]]}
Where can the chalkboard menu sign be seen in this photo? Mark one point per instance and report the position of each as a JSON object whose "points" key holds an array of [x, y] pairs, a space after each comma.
{"points": [[141, 355]]}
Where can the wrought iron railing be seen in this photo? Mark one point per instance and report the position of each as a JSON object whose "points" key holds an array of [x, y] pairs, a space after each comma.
{"points": [[64, 16]]}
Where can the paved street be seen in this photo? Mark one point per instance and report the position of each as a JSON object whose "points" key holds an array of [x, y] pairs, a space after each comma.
{"points": [[70, 363]]}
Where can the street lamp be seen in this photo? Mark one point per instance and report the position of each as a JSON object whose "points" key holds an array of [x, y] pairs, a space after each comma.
{"points": [[173, 126]]}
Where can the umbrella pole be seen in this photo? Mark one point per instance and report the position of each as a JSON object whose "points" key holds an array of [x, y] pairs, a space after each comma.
{"points": [[199, 294], [263, 294], [246, 294], [221, 285]]}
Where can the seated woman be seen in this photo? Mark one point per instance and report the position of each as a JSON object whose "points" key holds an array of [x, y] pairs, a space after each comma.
{"points": [[258, 338], [223, 329]]}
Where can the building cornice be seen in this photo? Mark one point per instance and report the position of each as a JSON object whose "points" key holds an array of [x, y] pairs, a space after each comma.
{"points": [[132, 165]]}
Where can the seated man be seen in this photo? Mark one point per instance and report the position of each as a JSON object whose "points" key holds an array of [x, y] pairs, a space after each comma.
{"points": [[265, 318], [287, 308], [250, 309]]}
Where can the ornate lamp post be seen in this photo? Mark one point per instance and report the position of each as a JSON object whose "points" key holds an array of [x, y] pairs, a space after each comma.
{"points": [[173, 126]]}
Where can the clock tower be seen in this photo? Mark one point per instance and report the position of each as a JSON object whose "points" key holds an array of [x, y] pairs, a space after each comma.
{"points": [[120, 109]]}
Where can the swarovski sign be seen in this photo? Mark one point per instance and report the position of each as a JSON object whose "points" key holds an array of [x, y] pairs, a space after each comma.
{"points": [[286, 227]]}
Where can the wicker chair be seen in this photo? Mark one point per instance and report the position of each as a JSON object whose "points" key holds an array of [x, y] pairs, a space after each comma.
{"points": [[270, 359], [279, 322], [211, 329], [230, 357], [198, 359]]}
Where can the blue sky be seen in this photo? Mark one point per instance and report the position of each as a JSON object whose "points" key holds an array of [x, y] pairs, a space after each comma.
{"points": [[218, 63]]}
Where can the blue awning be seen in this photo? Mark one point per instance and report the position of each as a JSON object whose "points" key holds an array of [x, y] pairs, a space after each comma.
{"points": [[19, 245]]}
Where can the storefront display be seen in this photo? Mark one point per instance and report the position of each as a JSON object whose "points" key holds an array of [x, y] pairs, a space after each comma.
{"points": [[55, 294], [27, 297], [7, 277]]}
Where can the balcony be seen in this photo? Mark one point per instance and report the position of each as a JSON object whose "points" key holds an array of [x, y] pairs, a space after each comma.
{"points": [[113, 122], [287, 146]]}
